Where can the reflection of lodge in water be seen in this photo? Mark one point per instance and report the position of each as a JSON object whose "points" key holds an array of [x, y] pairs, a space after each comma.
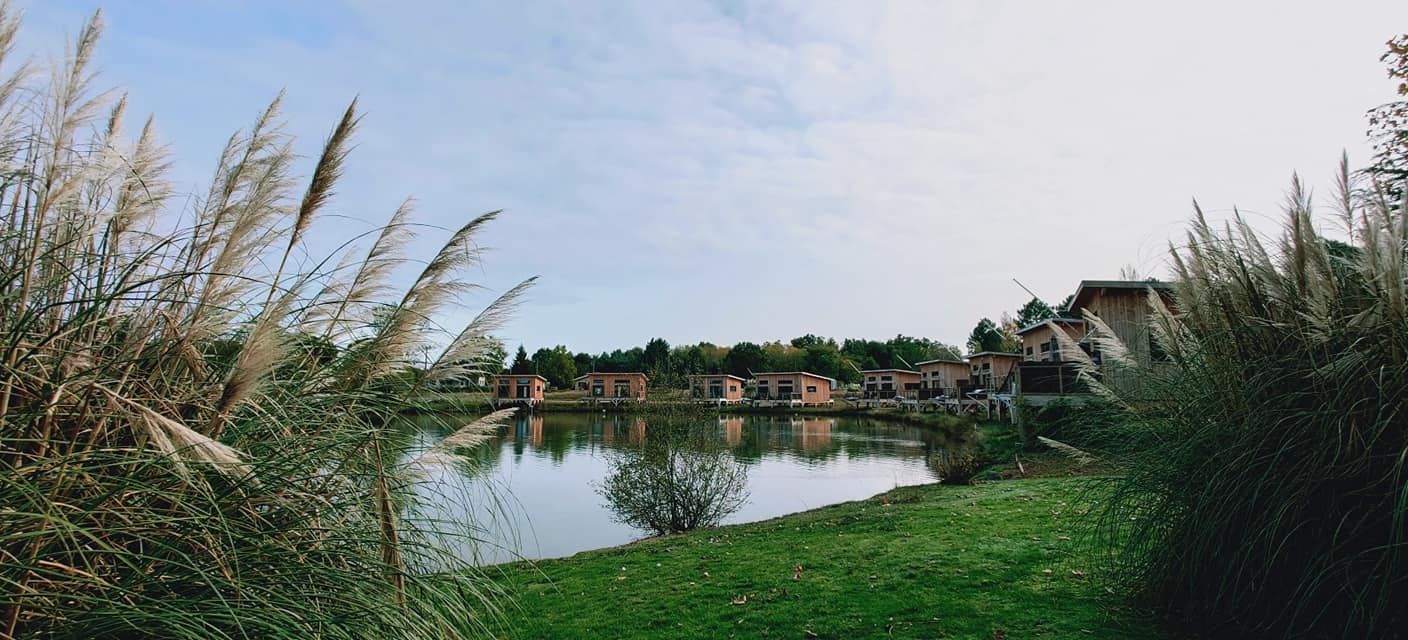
{"points": [[732, 427], [812, 434], [802, 434], [618, 429], [529, 430]]}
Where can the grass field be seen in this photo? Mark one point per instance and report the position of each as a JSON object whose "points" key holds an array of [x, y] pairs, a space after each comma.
{"points": [[997, 560]]}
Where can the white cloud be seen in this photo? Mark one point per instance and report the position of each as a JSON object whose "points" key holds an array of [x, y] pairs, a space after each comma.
{"points": [[738, 171]]}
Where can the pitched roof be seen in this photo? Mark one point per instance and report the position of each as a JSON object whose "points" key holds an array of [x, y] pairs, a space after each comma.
{"points": [[1128, 285], [793, 373], [616, 373], [884, 370], [521, 375], [945, 360], [716, 375], [994, 353], [1037, 325]]}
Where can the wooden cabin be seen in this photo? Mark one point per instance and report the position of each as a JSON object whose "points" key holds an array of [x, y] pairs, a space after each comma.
{"points": [[1123, 305], [615, 387], [716, 389], [883, 384], [794, 388], [941, 377], [988, 369], [526, 389], [1039, 343]]}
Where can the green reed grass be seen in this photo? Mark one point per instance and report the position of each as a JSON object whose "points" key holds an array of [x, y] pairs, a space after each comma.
{"points": [[1264, 494], [198, 425]]}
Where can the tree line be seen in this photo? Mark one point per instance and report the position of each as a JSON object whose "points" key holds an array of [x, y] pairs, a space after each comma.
{"points": [[670, 365]]}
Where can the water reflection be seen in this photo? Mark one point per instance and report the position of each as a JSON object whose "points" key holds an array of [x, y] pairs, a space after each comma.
{"points": [[532, 489]]}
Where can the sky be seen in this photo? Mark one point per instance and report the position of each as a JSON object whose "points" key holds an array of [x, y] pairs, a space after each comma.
{"points": [[738, 170]]}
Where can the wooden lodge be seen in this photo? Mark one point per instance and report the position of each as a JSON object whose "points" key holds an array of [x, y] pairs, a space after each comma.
{"points": [[1047, 374], [791, 388], [526, 390], [882, 386], [716, 389], [941, 378], [615, 388], [988, 370], [1039, 341]]}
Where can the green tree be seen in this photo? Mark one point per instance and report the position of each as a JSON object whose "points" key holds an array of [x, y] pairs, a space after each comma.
{"points": [[743, 358], [556, 365], [985, 337], [655, 360], [1034, 311], [585, 363], [521, 363], [1388, 123]]}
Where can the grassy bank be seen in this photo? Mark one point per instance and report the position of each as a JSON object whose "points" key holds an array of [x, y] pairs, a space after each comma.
{"points": [[993, 560]]}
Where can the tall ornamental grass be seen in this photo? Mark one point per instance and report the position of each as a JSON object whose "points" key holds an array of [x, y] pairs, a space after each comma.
{"points": [[198, 430], [1265, 494]]}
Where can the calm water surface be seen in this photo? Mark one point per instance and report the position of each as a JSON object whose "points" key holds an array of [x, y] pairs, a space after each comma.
{"points": [[531, 491]]}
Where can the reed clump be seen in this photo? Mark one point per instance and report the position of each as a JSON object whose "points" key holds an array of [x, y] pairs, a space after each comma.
{"points": [[198, 433], [1263, 493]]}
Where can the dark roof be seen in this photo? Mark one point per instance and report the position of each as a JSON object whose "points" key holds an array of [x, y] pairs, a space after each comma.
{"points": [[1128, 285], [792, 373], [615, 373], [948, 360], [1036, 325]]}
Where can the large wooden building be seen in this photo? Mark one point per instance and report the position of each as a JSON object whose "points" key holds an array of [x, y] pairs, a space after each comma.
{"points": [[883, 384], [987, 370], [1039, 341], [940, 378], [800, 388], [1123, 305], [524, 389], [615, 387]]}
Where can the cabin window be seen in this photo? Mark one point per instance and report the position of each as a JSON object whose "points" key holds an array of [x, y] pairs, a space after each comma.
{"points": [[1045, 347], [732, 388], [887, 377], [811, 389], [1029, 350], [987, 366]]}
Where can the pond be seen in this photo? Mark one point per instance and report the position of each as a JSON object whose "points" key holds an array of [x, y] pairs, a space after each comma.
{"points": [[533, 491]]}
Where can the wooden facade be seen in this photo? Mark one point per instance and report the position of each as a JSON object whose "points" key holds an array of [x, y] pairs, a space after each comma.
{"points": [[988, 370], [942, 377], [792, 387], [1123, 305], [616, 387], [883, 384], [524, 389], [721, 389], [1039, 342]]}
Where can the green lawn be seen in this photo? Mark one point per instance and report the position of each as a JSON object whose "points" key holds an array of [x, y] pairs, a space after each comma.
{"points": [[994, 560]]}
